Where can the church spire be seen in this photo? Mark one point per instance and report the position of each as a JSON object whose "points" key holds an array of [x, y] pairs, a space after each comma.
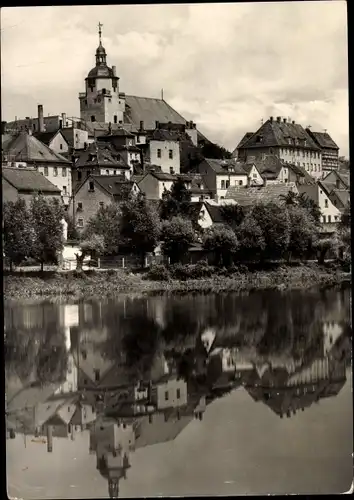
{"points": [[100, 52]]}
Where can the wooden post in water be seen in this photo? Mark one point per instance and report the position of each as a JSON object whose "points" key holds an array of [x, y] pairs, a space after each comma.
{"points": [[49, 439]]}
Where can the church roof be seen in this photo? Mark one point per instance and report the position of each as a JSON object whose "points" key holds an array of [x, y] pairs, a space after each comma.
{"points": [[101, 72], [150, 110], [26, 147]]}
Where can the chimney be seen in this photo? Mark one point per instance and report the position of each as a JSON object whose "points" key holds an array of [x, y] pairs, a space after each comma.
{"points": [[284, 120], [278, 119], [271, 119], [114, 71], [141, 125], [63, 119], [40, 118]]}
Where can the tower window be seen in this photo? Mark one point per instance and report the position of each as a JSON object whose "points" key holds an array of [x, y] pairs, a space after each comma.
{"points": [[93, 118], [115, 118]]}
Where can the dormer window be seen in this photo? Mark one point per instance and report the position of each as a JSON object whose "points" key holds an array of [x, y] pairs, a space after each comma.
{"points": [[259, 138]]}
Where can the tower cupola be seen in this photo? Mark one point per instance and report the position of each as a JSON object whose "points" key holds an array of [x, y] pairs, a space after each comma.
{"points": [[100, 51]]}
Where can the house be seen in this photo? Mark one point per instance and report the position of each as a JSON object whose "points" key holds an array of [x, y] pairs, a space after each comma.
{"points": [[196, 185], [265, 194], [338, 186], [55, 140], [235, 153], [285, 139], [169, 392], [155, 183], [254, 175], [321, 195], [99, 158], [26, 183], [340, 179], [98, 191], [164, 150], [124, 142], [24, 147], [220, 174], [210, 215], [272, 169], [56, 413], [299, 175], [330, 150]]}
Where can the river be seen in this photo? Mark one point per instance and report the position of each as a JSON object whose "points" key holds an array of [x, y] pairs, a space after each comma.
{"points": [[180, 395]]}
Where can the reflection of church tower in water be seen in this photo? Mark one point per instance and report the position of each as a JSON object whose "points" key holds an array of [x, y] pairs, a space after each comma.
{"points": [[112, 443]]}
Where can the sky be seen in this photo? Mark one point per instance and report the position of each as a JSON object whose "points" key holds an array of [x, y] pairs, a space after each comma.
{"points": [[224, 66]]}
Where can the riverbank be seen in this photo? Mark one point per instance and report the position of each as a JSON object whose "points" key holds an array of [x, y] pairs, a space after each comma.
{"points": [[99, 283]]}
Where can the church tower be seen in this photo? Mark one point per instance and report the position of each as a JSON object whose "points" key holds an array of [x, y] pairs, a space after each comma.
{"points": [[102, 102]]}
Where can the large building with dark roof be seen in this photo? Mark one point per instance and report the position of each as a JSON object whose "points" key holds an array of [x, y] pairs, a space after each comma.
{"points": [[287, 140], [330, 150]]}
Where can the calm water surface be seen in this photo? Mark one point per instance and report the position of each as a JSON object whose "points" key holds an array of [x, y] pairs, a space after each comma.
{"points": [[195, 395]]}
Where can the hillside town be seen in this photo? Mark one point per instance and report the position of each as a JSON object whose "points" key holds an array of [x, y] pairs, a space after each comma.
{"points": [[124, 145]]}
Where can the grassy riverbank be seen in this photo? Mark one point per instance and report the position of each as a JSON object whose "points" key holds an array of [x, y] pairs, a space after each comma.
{"points": [[101, 283]]}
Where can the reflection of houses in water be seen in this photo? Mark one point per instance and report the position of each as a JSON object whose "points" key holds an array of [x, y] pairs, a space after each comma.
{"points": [[169, 392], [112, 442], [332, 331], [287, 395], [70, 318]]}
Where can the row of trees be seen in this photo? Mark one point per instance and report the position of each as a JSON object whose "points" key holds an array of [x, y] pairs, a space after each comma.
{"points": [[32, 232], [273, 230]]}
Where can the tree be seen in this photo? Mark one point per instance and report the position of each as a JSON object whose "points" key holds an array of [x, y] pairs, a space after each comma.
{"points": [[251, 238], [47, 216], [72, 231], [223, 242], [233, 215], [140, 225], [18, 233], [324, 246], [303, 231], [106, 223], [211, 150], [275, 224], [177, 236], [91, 246], [175, 202], [304, 201]]}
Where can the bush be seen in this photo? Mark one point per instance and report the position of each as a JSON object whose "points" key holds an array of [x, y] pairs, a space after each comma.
{"points": [[192, 271], [158, 272]]}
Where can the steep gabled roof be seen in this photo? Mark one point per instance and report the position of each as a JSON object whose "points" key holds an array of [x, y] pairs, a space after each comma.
{"points": [[225, 167], [322, 139], [311, 190], [116, 185], [26, 147], [343, 197], [300, 171], [244, 139], [46, 137], [215, 213], [269, 167], [101, 154], [150, 110], [246, 196], [162, 176], [28, 179], [277, 133]]}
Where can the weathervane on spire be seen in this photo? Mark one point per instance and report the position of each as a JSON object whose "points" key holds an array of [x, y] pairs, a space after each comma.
{"points": [[99, 30]]}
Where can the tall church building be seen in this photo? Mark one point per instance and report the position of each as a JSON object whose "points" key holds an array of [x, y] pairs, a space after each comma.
{"points": [[102, 101]]}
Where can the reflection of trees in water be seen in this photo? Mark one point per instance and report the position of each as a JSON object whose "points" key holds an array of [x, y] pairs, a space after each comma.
{"points": [[36, 356]]}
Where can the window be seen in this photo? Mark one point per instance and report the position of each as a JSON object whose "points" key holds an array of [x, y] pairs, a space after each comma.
{"points": [[107, 172], [222, 184], [64, 190], [254, 176], [178, 393], [115, 118], [79, 176], [103, 91], [227, 184], [80, 223], [336, 217], [97, 375], [109, 100], [45, 170], [240, 183], [93, 118], [285, 180], [166, 396], [326, 203], [115, 172], [170, 154], [323, 218], [55, 171], [91, 186], [63, 172], [79, 206], [159, 153], [329, 218], [101, 204], [171, 170]]}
